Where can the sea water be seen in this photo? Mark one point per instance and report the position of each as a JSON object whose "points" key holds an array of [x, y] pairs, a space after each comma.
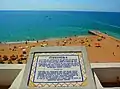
{"points": [[39, 25]]}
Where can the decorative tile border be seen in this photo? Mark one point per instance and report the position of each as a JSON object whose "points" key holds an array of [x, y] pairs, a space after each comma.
{"points": [[33, 83]]}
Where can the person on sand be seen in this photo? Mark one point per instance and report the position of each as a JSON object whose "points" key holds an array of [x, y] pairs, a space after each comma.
{"points": [[10, 48], [113, 53], [5, 57], [118, 46], [20, 62], [70, 38], [12, 57], [37, 41], [65, 41], [97, 45], [14, 47], [63, 44], [10, 62], [89, 45], [99, 39], [26, 42]]}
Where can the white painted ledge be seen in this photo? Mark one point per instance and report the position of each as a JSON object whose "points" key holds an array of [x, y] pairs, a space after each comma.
{"points": [[98, 84], [12, 66], [105, 65], [17, 81]]}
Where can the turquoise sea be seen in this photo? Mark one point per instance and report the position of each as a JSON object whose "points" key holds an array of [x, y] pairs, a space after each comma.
{"points": [[24, 25]]}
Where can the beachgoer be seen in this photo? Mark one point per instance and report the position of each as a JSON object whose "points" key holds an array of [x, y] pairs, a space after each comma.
{"points": [[10, 62], [97, 45], [70, 39], [44, 41], [118, 46], [5, 57], [37, 41], [10, 49], [63, 44], [33, 46], [26, 42], [20, 62], [89, 45], [41, 45], [12, 57], [113, 53], [24, 52], [13, 50], [15, 47]]}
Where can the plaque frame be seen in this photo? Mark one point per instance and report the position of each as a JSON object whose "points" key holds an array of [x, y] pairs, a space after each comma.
{"points": [[90, 78]]}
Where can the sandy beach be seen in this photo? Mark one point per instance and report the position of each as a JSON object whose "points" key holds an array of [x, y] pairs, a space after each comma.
{"points": [[100, 50]]}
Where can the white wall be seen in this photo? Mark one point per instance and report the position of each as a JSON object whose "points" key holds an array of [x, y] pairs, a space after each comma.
{"points": [[107, 74], [8, 72]]}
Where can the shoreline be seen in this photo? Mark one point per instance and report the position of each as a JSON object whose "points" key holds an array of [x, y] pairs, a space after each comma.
{"points": [[96, 46], [49, 39]]}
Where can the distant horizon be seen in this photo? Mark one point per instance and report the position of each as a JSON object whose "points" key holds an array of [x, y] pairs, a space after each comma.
{"points": [[62, 5], [65, 10]]}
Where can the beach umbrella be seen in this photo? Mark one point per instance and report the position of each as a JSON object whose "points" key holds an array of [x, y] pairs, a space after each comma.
{"points": [[64, 41], [23, 49], [97, 44], [20, 47], [26, 46], [41, 45], [44, 45], [99, 39]]}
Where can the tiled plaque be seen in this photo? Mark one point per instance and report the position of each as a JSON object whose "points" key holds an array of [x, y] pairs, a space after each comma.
{"points": [[64, 69]]}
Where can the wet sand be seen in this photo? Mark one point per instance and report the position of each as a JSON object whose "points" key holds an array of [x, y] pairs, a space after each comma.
{"points": [[99, 50]]}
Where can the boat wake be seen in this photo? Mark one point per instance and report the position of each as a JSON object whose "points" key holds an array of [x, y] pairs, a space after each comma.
{"points": [[102, 23]]}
